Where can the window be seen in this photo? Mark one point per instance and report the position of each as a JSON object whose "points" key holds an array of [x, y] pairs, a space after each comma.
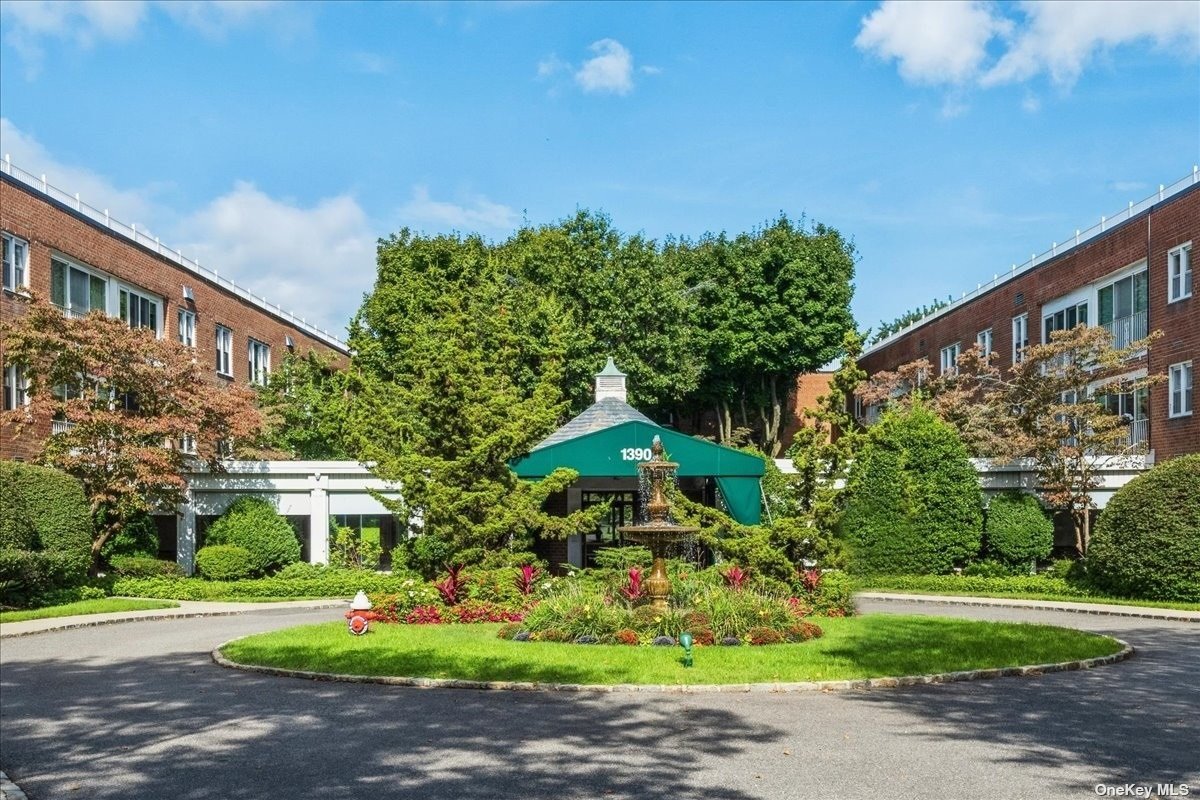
{"points": [[16, 263], [1020, 339], [1064, 320], [260, 362], [139, 310], [984, 340], [224, 351], [950, 359], [1179, 380], [1122, 308], [1179, 273], [607, 534], [16, 387], [76, 291], [187, 328]]}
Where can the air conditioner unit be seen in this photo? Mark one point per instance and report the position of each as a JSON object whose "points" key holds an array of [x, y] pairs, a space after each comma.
{"points": [[187, 294], [287, 340]]}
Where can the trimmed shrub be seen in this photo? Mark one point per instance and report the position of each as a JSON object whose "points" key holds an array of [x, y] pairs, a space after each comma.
{"points": [[914, 502], [834, 594], [251, 523], [335, 583], [45, 531], [143, 567], [139, 537], [1018, 532], [224, 562], [1147, 542]]}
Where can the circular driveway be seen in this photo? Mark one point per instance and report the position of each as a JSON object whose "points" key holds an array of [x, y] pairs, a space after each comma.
{"points": [[138, 710]]}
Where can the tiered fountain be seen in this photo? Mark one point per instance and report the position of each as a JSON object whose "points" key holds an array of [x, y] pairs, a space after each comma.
{"points": [[657, 531]]}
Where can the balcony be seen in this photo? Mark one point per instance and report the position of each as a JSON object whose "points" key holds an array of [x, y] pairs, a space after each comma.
{"points": [[1127, 330], [60, 426], [1139, 435]]}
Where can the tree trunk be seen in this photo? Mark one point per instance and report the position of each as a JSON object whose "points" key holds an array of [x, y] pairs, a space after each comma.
{"points": [[101, 538]]}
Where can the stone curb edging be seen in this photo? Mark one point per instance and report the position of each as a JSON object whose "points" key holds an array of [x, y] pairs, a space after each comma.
{"points": [[9, 790], [1033, 670], [1140, 612], [92, 623]]}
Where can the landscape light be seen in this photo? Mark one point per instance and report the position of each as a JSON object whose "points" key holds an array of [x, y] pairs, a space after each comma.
{"points": [[685, 641]]}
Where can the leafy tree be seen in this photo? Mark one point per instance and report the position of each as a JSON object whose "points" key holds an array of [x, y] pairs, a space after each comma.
{"points": [[438, 402], [304, 404], [914, 502], [772, 304], [901, 322], [128, 398], [1018, 530]]}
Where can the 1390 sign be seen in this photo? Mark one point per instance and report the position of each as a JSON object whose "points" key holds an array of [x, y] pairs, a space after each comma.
{"points": [[636, 454]]}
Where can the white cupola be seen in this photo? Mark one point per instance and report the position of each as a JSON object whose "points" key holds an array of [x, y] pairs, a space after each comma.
{"points": [[610, 382]]}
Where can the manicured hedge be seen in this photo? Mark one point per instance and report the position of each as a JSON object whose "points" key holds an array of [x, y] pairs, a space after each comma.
{"points": [[335, 583], [914, 503], [974, 584], [252, 523], [143, 567], [1018, 531], [1147, 542], [224, 562], [45, 531]]}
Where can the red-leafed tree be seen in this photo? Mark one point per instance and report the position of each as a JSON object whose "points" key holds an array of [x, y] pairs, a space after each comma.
{"points": [[126, 402]]}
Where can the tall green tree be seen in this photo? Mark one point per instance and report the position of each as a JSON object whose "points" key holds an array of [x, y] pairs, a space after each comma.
{"points": [[772, 304], [305, 403]]}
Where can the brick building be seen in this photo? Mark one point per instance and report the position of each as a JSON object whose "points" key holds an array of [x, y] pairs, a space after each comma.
{"points": [[1132, 273], [82, 259]]}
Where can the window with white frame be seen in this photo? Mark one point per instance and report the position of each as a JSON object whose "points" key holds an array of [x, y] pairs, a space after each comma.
{"points": [[950, 359], [16, 387], [75, 290], [186, 326], [16, 263], [1179, 385], [1122, 308], [1063, 320], [138, 309], [260, 362], [983, 340], [1020, 337], [224, 351], [1179, 273]]}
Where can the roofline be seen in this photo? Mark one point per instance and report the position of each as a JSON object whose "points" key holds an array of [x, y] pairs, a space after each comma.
{"points": [[1106, 226], [102, 221]]}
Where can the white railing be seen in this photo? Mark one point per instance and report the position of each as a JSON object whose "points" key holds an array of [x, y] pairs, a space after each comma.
{"points": [[1127, 330], [1056, 249], [60, 426], [1139, 433], [145, 239]]}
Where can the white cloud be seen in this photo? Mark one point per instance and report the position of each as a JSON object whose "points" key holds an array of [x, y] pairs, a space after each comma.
{"points": [[129, 205], [1031, 104], [313, 261], [480, 214], [1061, 38], [216, 19], [370, 63], [934, 43], [947, 43], [29, 22], [609, 71], [551, 66]]}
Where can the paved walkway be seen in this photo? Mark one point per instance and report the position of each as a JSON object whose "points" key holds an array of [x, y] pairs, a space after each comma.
{"points": [[187, 608], [1106, 609], [139, 711]]}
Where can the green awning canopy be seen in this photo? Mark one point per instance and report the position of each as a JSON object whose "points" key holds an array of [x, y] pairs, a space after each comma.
{"points": [[614, 452]]}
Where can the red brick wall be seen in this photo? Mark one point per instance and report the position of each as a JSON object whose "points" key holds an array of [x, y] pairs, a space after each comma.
{"points": [[809, 387], [1148, 236], [51, 228]]}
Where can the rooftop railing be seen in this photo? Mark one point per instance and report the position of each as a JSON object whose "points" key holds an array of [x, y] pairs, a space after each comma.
{"points": [[1056, 249], [131, 232]]}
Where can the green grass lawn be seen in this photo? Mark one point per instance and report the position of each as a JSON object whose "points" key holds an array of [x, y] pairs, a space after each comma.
{"points": [[875, 645], [103, 606]]}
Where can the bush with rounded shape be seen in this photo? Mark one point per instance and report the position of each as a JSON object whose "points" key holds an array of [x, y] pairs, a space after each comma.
{"points": [[1018, 532], [144, 567], [224, 562], [914, 503], [253, 524], [1147, 542], [45, 530]]}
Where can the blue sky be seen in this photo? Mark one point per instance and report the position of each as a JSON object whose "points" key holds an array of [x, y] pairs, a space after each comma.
{"points": [[278, 141]]}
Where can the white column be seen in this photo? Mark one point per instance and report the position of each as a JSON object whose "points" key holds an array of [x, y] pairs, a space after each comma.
{"points": [[318, 522], [185, 534]]}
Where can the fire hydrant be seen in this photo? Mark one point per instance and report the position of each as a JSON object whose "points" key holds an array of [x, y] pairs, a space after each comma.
{"points": [[359, 614]]}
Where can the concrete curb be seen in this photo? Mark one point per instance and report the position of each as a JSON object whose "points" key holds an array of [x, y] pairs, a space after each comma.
{"points": [[1097, 609], [180, 614], [9, 790], [1032, 670]]}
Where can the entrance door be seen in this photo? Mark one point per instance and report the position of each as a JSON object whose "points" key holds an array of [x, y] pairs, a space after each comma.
{"points": [[622, 511]]}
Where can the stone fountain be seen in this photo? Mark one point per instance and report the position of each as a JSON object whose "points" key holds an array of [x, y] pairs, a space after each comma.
{"points": [[657, 531]]}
